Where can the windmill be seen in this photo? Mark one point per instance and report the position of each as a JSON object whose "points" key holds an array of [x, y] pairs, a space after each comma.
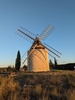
{"points": [[37, 55]]}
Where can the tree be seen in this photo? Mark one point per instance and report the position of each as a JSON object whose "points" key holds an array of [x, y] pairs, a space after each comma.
{"points": [[18, 61], [51, 65], [55, 62], [25, 67]]}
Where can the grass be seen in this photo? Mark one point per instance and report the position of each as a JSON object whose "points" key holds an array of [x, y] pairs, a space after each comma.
{"points": [[54, 85]]}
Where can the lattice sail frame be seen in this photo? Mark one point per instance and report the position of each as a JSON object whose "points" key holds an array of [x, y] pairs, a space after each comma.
{"points": [[24, 33], [46, 32]]}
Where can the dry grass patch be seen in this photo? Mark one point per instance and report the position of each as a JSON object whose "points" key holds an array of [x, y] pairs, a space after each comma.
{"points": [[8, 89]]}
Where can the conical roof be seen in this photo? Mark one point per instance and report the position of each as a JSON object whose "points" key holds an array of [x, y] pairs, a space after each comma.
{"points": [[38, 44]]}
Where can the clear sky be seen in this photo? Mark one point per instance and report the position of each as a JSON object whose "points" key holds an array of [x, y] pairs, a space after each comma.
{"points": [[35, 15]]}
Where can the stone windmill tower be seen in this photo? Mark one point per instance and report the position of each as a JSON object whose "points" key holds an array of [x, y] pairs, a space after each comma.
{"points": [[37, 56]]}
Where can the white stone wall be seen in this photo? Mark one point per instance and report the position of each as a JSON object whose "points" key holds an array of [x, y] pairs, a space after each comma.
{"points": [[38, 60]]}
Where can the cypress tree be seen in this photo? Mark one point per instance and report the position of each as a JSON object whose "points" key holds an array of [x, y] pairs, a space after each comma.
{"points": [[18, 61], [51, 64], [55, 61]]}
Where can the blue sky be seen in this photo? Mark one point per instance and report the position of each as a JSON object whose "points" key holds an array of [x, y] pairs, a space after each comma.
{"points": [[35, 15]]}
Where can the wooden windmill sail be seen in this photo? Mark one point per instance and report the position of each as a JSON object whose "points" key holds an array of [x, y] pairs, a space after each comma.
{"points": [[37, 56]]}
